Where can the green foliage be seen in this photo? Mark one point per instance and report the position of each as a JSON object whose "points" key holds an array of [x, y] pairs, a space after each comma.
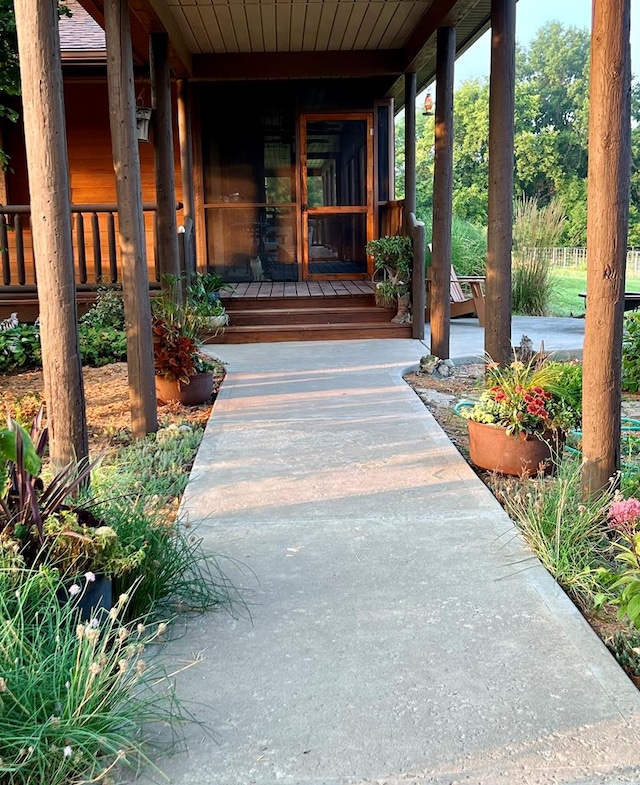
{"points": [[566, 532], [392, 254], [529, 397], [75, 696], [101, 345], [137, 488], [550, 142], [107, 310], [631, 352], [20, 348], [625, 647], [393, 258], [534, 226]]}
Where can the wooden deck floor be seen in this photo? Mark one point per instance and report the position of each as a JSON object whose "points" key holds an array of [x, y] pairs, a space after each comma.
{"points": [[274, 289]]}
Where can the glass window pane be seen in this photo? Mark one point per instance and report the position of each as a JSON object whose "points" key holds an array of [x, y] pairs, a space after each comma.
{"points": [[252, 243], [336, 163]]}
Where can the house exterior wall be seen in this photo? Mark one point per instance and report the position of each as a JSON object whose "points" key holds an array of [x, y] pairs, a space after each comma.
{"points": [[91, 172]]}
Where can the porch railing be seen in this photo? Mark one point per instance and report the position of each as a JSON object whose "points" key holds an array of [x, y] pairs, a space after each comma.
{"points": [[415, 229], [95, 247]]}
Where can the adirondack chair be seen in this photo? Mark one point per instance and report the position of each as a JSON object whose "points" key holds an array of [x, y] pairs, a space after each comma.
{"points": [[463, 303]]}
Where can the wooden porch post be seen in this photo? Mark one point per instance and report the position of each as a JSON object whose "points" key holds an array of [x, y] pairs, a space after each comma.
{"points": [[163, 154], [45, 140], [409, 144], [126, 160], [497, 339], [607, 220], [186, 141], [440, 306]]}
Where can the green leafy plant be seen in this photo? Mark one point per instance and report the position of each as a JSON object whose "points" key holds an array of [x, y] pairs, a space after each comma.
{"points": [[393, 259], [102, 345], [43, 524], [107, 310], [20, 347], [630, 352], [624, 520], [530, 397]]}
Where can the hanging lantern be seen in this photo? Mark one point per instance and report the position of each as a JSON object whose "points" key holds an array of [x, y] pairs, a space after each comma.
{"points": [[143, 115], [428, 104]]}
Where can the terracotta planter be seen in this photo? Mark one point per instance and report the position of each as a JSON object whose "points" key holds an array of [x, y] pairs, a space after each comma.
{"points": [[199, 390], [521, 455]]}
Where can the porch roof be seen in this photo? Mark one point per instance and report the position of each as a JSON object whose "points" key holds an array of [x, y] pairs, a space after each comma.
{"points": [[264, 39]]}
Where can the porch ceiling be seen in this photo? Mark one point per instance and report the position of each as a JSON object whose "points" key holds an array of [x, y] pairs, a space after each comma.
{"points": [[272, 39]]}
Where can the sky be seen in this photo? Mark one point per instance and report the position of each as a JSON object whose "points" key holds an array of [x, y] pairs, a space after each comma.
{"points": [[530, 16]]}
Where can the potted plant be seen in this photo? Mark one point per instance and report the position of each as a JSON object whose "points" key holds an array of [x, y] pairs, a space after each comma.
{"points": [[47, 526], [519, 424], [203, 295], [393, 260], [182, 372]]}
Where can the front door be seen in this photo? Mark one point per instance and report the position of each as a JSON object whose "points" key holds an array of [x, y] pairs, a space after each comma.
{"points": [[336, 154]]}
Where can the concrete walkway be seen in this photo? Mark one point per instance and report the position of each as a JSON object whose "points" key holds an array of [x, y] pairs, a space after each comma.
{"points": [[400, 631]]}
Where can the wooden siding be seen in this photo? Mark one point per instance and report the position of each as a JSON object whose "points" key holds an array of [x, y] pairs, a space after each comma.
{"points": [[91, 175]]}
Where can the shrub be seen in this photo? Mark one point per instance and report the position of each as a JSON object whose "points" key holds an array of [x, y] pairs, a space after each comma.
{"points": [[101, 345], [631, 353], [20, 348], [107, 311]]}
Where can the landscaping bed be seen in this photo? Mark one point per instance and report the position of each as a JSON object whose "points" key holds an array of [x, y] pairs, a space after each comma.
{"points": [[440, 396]]}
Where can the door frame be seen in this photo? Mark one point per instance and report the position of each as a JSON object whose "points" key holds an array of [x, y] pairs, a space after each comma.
{"points": [[302, 202]]}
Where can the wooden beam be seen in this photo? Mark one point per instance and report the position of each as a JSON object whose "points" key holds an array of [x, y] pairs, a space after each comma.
{"points": [[276, 65], [163, 156], [186, 147], [440, 305], [607, 222], [497, 339], [47, 166], [135, 283], [434, 18], [409, 143]]}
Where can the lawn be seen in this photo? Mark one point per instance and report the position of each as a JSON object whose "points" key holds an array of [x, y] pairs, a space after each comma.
{"points": [[566, 300]]}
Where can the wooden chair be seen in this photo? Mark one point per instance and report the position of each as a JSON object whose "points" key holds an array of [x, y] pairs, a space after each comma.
{"points": [[463, 303]]}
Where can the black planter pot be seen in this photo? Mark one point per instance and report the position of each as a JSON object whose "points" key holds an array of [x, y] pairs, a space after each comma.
{"points": [[94, 597]]}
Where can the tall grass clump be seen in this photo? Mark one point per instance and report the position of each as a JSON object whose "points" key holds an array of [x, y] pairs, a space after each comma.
{"points": [[468, 247], [78, 698], [567, 533], [534, 227]]}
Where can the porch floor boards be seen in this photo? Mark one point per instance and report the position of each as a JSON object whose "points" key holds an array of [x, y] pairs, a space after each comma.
{"points": [[289, 289]]}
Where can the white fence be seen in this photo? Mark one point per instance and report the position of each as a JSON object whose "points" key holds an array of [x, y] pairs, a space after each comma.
{"points": [[577, 257]]}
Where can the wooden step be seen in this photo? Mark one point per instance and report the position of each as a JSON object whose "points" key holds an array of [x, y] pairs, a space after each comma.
{"points": [[312, 332], [290, 303], [332, 315]]}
